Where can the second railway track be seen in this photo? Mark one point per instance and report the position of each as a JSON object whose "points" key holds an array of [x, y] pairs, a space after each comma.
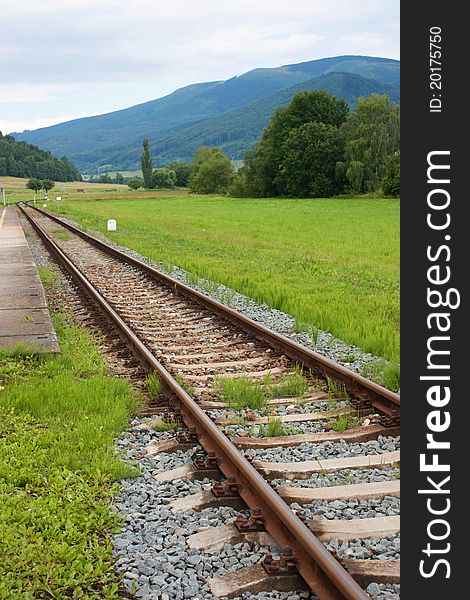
{"points": [[197, 345]]}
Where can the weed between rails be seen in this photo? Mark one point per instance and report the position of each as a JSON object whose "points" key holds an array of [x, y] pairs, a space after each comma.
{"points": [[275, 428], [347, 421], [243, 392], [61, 234], [59, 417], [165, 425]]}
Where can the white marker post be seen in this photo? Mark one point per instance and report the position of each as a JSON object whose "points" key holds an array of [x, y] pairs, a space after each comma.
{"points": [[111, 225]]}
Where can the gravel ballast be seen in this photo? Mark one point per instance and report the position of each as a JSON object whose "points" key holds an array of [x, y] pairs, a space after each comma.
{"points": [[350, 509], [151, 550], [371, 548], [346, 477], [325, 450]]}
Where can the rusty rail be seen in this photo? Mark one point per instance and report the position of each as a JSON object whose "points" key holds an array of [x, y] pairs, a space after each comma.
{"points": [[321, 571]]}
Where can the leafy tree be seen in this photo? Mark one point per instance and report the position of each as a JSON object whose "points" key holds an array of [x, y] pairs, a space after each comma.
{"points": [[391, 181], [183, 172], [355, 176], [146, 164], [163, 178], [34, 184], [239, 188], [308, 167], [119, 179], [105, 178], [212, 172], [263, 165], [135, 183], [371, 133], [47, 184]]}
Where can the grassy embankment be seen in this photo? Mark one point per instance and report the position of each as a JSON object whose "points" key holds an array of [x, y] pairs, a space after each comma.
{"points": [[333, 264], [59, 415]]}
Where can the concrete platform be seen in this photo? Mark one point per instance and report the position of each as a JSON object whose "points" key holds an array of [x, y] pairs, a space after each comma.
{"points": [[24, 316]]}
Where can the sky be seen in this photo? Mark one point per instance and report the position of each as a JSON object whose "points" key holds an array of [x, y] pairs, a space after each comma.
{"points": [[65, 59]]}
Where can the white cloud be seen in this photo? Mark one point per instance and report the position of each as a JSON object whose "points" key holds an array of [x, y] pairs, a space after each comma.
{"points": [[73, 53], [9, 126]]}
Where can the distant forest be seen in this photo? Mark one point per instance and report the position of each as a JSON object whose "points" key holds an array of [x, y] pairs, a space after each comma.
{"points": [[19, 159]]}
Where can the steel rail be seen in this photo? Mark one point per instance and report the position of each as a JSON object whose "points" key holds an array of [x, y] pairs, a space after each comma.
{"points": [[321, 571], [384, 400]]}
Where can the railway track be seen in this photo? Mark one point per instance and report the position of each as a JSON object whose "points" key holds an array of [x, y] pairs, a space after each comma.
{"points": [[204, 354]]}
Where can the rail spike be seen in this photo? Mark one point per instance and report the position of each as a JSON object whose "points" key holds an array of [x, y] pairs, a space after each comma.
{"points": [[285, 565], [227, 489], [255, 521], [205, 462]]}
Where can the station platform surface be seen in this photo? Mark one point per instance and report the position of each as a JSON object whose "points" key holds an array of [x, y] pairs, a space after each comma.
{"points": [[24, 316]]}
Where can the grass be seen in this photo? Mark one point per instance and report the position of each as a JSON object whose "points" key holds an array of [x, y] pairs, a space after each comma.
{"points": [[165, 425], [336, 390], [153, 385], [241, 392], [47, 275], [384, 372], [292, 384], [331, 263], [275, 428], [60, 234], [346, 421], [59, 415]]}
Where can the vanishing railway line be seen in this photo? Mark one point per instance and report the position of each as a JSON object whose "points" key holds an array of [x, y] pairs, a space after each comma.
{"points": [[193, 343]]}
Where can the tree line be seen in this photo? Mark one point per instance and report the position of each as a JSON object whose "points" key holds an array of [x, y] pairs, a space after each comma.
{"points": [[316, 147], [19, 159], [313, 147]]}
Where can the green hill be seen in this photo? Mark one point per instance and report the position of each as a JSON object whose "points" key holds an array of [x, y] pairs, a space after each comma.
{"points": [[209, 111], [19, 159]]}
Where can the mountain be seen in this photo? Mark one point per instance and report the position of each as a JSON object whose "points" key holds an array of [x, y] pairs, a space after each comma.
{"points": [[19, 159], [230, 114]]}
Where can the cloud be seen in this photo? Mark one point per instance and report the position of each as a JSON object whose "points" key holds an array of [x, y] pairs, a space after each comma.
{"points": [[22, 125], [59, 48]]}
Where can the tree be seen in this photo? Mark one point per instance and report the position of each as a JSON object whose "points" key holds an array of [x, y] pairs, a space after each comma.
{"points": [[146, 165], [308, 167], [136, 183], [35, 185], [263, 165], [371, 134], [47, 184], [119, 179], [104, 178], [355, 176], [212, 172], [163, 178], [183, 172], [391, 181]]}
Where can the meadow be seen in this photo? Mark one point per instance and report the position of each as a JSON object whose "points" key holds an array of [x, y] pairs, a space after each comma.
{"points": [[331, 263]]}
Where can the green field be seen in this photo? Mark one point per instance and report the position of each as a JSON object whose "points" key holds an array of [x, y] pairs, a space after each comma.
{"points": [[331, 263]]}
